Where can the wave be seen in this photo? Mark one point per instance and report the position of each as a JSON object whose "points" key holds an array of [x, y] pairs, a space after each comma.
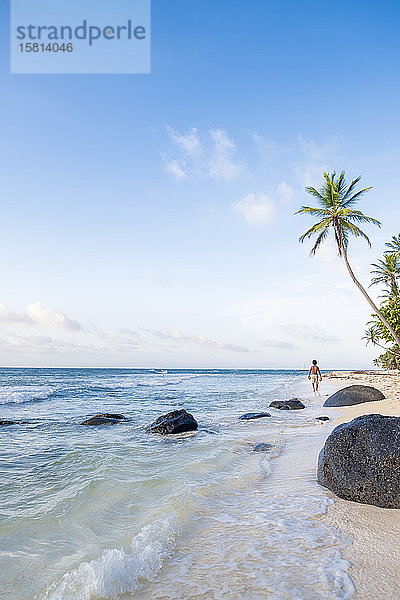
{"points": [[119, 571], [169, 379], [24, 395]]}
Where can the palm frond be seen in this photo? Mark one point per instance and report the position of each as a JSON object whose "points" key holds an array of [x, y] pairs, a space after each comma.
{"points": [[314, 192], [322, 236], [335, 200], [356, 197], [356, 231], [309, 210], [314, 229], [359, 217], [393, 245], [351, 187]]}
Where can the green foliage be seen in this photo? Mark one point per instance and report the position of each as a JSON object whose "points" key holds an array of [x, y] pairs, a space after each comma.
{"points": [[389, 360], [387, 274], [390, 308], [394, 245], [334, 211]]}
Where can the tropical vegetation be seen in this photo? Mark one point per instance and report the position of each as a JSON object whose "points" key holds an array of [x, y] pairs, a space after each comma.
{"points": [[335, 212], [386, 273]]}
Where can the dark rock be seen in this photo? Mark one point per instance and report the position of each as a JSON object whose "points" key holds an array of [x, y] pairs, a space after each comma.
{"points": [[322, 418], [176, 421], [263, 447], [104, 419], [6, 422], [117, 417], [293, 404], [360, 461], [249, 416], [354, 394]]}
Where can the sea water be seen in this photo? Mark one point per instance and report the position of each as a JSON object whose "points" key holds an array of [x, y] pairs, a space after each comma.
{"points": [[113, 512]]}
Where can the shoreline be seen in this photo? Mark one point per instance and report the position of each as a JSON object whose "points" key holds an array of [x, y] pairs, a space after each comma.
{"points": [[373, 532]]}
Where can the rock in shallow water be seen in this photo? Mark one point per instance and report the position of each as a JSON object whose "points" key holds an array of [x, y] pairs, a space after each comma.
{"points": [[6, 422], [322, 418], [177, 421], [361, 461], [249, 416], [293, 404], [262, 447], [105, 419], [354, 394]]}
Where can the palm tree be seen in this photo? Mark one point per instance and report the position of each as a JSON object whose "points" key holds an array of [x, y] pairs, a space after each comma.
{"points": [[387, 272], [394, 246], [335, 212], [371, 336]]}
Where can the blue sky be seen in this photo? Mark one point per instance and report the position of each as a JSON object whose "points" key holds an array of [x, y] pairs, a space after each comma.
{"points": [[147, 220]]}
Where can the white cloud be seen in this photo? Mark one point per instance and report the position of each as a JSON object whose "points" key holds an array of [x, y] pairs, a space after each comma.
{"points": [[176, 168], [7, 316], [176, 335], [34, 314], [208, 156], [188, 141], [50, 318], [223, 165], [272, 343], [303, 331], [285, 192], [256, 209]]}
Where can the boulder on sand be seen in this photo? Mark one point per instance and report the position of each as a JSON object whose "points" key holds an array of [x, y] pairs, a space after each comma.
{"points": [[249, 416], [105, 419], [176, 421], [360, 461], [293, 404], [354, 394]]}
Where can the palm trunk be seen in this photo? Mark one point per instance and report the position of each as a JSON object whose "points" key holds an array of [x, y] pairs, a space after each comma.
{"points": [[387, 349], [369, 300]]}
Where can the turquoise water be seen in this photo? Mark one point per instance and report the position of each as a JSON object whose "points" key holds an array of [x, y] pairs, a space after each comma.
{"points": [[113, 512]]}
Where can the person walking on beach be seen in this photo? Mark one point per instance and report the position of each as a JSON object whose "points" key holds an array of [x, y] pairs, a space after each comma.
{"points": [[315, 375]]}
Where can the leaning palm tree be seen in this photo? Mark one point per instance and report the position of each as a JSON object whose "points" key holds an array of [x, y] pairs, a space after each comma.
{"points": [[387, 272], [394, 246], [335, 213]]}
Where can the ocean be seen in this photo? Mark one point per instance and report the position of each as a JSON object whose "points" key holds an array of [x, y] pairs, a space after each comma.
{"points": [[113, 512]]}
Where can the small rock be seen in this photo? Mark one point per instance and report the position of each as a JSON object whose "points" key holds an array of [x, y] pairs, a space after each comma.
{"points": [[354, 394], [322, 418], [112, 416], [249, 416], [176, 421], [262, 447], [104, 419], [6, 422], [293, 404]]}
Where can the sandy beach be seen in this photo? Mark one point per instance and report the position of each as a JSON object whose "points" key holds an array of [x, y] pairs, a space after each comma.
{"points": [[374, 532]]}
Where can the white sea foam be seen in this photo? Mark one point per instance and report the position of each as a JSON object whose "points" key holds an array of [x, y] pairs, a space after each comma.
{"points": [[23, 395], [118, 571], [258, 547]]}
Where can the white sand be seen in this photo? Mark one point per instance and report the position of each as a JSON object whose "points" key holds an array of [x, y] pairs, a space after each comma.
{"points": [[374, 532]]}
